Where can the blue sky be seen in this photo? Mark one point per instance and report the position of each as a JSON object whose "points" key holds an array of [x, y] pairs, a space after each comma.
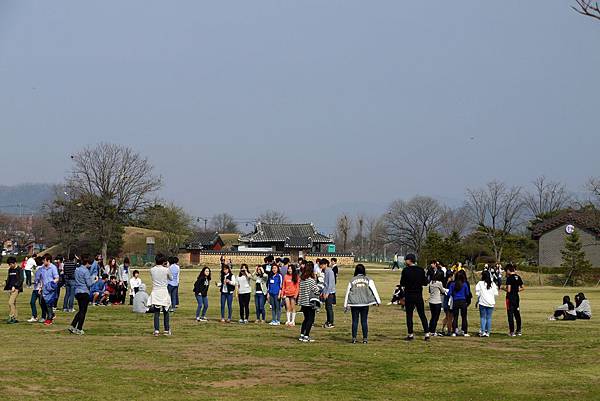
{"points": [[303, 105]]}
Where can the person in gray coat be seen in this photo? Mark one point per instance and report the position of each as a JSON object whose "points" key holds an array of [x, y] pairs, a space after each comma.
{"points": [[140, 300], [360, 295]]}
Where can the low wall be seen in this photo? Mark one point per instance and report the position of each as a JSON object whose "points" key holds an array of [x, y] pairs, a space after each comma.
{"points": [[213, 258]]}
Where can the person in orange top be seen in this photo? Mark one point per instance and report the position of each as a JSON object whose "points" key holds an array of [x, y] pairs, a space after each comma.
{"points": [[290, 289]]}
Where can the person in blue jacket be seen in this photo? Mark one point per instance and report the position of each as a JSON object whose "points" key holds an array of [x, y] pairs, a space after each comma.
{"points": [[274, 295], [461, 296], [83, 284]]}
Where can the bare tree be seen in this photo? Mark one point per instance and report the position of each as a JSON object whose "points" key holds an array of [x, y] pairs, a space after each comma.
{"points": [[546, 197], [409, 223], [588, 8], [375, 235], [273, 217], [456, 220], [496, 210], [113, 182], [223, 223], [593, 186], [344, 225]]}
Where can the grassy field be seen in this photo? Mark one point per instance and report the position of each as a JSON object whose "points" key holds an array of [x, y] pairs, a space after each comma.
{"points": [[119, 358]]}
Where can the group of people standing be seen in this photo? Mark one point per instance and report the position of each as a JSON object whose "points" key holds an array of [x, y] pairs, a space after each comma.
{"points": [[450, 291]]}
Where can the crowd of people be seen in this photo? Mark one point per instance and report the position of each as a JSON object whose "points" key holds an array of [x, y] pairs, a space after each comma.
{"points": [[304, 288]]}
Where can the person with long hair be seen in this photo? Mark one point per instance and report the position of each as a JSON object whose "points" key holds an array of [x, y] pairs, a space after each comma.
{"points": [[582, 307], [227, 286], [274, 295], [436, 298], [360, 295], [290, 289], [260, 292], [448, 316], [486, 291], [308, 299], [244, 293], [201, 293], [460, 292], [566, 310]]}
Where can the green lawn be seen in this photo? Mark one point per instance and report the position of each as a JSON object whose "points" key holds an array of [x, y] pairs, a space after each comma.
{"points": [[119, 358]]}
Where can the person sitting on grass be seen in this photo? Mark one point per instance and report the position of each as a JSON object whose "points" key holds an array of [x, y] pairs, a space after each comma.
{"points": [[140, 300], [582, 307], [14, 286], [566, 310], [98, 289], [112, 291]]}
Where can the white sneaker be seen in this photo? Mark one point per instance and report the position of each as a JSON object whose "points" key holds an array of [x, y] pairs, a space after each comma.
{"points": [[466, 335], [167, 333], [32, 320], [197, 319], [551, 318], [156, 333]]}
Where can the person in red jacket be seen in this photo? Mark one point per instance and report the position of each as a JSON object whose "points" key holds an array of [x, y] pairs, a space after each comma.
{"points": [[290, 289]]}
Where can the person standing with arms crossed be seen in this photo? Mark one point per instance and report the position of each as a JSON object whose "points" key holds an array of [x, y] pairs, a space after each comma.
{"points": [[413, 280], [514, 285]]}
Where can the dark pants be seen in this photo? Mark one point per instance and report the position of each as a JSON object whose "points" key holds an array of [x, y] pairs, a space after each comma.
{"points": [[35, 298], [244, 300], [28, 278], [514, 314], [362, 313], [69, 295], [461, 307], [581, 315], [435, 309], [410, 305], [259, 301], [165, 311], [174, 293], [83, 300], [329, 302], [122, 291], [226, 298], [46, 309], [309, 320]]}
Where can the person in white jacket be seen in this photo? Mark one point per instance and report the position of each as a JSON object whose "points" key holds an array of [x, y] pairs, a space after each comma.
{"points": [[160, 298], [486, 291], [360, 294]]}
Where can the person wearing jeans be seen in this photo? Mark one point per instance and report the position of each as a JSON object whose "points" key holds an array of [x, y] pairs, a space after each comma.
{"points": [[260, 293], [227, 285], [69, 272], [360, 294], [486, 291], [160, 298], [201, 292], [274, 295], [173, 284]]}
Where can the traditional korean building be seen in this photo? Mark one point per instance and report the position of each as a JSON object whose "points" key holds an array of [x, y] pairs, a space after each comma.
{"points": [[288, 238]]}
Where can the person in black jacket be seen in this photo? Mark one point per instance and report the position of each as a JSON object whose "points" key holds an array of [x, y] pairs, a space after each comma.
{"points": [[14, 286], [413, 280], [201, 292]]}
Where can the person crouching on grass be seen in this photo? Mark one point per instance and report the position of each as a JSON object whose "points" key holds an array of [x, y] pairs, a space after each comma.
{"points": [[360, 294], [308, 299], [160, 298], [98, 288], [14, 285], [83, 284]]}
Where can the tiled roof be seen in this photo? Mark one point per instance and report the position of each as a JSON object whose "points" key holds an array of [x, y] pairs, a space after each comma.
{"points": [[588, 219], [296, 235], [203, 240]]}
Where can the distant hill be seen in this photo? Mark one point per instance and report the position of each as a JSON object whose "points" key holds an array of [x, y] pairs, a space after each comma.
{"points": [[26, 198]]}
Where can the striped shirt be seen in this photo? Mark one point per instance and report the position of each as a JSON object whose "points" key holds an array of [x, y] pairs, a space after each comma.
{"points": [[308, 290]]}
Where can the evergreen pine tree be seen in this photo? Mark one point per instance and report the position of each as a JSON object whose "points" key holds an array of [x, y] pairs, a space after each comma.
{"points": [[573, 257]]}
